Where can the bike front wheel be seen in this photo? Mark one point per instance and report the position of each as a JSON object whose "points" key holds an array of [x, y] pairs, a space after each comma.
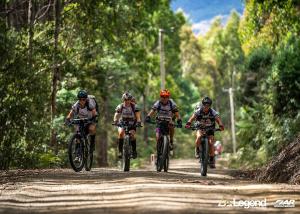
{"points": [[165, 154], [76, 153], [126, 155], [204, 157]]}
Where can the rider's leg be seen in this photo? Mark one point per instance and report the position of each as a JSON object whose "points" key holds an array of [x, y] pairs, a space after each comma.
{"points": [[197, 144], [77, 146], [92, 132], [172, 131], [211, 141], [121, 141], [133, 143]]}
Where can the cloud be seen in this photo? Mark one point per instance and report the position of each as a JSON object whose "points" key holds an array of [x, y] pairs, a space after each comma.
{"points": [[202, 27], [186, 15]]}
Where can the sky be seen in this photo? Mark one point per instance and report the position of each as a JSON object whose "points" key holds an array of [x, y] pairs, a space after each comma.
{"points": [[201, 13]]}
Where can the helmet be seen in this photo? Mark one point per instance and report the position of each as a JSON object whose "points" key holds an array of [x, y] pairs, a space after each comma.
{"points": [[82, 94], [165, 93], [206, 100], [126, 96]]}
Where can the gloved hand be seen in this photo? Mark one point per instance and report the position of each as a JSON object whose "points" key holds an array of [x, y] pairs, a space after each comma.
{"points": [[115, 123], [139, 124], [188, 125], [148, 119], [179, 123], [67, 121]]}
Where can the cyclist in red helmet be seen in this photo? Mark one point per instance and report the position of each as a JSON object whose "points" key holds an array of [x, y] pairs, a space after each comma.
{"points": [[166, 109]]}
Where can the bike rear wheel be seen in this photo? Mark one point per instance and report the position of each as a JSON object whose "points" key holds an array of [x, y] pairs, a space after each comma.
{"points": [[204, 156], [88, 157], [126, 155], [76, 153]]}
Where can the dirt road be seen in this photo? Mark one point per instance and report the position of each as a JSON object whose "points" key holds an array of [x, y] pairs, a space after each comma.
{"points": [[108, 190]]}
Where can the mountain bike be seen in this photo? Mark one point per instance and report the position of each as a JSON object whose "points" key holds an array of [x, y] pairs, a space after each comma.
{"points": [[203, 147], [79, 150], [163, 144], [127, 147]]}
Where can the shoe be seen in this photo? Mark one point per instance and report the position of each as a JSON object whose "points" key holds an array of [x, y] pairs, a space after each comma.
{"points": [[134, 154]]}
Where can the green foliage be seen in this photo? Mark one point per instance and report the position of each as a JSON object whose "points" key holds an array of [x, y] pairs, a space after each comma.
{"points": [[286, 78]]}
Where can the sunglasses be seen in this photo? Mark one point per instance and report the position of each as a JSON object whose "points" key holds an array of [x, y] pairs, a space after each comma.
{"points": [[82, 99], [164, 96], [127, 99]]}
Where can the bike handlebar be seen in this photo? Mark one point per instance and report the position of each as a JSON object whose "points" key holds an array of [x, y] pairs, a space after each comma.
{"points": [[80, 120], [122, 125], [156, 122], [203, 128]]}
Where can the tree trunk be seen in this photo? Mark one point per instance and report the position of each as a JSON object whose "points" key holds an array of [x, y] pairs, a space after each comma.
{"points": [[144, 116], [56, 72], [103, 137], [216, 89], [30, 31], [7, 15]]}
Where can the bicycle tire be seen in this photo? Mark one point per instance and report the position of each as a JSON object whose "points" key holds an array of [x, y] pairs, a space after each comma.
{"points": [[126, 155], [72, 143], [159, 163], [165, 153], [204, 157]]}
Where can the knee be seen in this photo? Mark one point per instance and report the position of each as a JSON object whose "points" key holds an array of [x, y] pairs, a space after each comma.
{"points": [[121, 135]]}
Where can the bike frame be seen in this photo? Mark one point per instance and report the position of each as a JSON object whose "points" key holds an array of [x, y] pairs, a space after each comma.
{"points": [[204, 147]]}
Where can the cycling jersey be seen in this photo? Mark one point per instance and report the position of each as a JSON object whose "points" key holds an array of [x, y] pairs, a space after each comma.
{"points": [[165, 111], [127, 113], [86, 111], [208, 119]]}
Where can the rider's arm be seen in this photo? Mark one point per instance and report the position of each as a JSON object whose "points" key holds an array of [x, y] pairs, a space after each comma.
{"points": [[70, 115], [177, 115], [94, 112], [218, 120], [192, 118], [117, 116], [152, 111], [138, 116]]}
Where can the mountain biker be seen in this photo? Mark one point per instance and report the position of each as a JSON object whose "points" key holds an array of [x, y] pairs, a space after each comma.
{"points": [[128, 112], [85, 108], [165, 109], [206, 117]]}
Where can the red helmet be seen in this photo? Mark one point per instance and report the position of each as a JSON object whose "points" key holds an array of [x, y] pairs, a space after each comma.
{"points": [[165, 93]]}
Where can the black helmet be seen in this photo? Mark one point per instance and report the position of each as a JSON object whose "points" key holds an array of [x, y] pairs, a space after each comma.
{"points": [[126, 96], [82, 94], [206, 100]]}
